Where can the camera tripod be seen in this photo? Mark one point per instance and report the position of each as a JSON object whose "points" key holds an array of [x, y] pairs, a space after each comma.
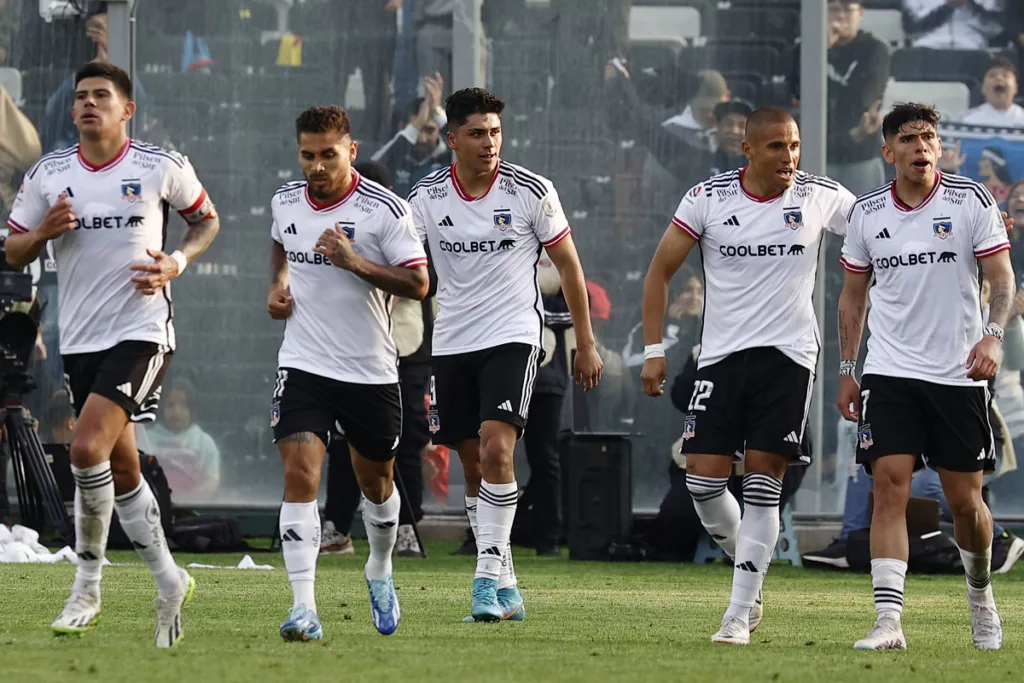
{"points": [[39, 499]]}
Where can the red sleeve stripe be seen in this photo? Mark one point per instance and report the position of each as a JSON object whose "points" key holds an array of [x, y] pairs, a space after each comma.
{"points": [[557, 238], [414, 262], [982, 253], [853, 267], [685, 228], [15, 226], [195, 205]]}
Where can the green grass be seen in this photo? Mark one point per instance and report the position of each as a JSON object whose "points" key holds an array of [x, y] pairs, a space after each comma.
{"points": [[585, 622]]}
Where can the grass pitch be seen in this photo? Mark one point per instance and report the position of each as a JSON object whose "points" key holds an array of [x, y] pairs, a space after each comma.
{"points": [[585, 622]]}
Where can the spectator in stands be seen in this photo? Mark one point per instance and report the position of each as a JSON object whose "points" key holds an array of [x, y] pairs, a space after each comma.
{"points": [[10, 10], [188, 455], [58, 130], [682, 326], [419, 147], [691, 161], [696, 123], [1000, 88], [858, 69], [952, 24], [363, 35], [19, 148]]}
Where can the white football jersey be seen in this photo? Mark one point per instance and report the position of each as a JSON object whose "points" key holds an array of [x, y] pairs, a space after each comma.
{"points": [[340, 326], [760, 256], [925, 313], [485, 250], [121, 209]]}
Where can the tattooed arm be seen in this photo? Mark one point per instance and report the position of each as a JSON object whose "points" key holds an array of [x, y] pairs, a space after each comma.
{"points": [[853, 304], [987, 354], [999, 273]]}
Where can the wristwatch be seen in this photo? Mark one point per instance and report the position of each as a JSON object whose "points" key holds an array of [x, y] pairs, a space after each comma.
{"points": [[994, 330]]}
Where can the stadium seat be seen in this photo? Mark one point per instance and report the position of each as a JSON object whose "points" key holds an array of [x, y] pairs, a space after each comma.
{"points": [[925, 64], [733, 56], [950, 98], [779, 23], [659, 24], [886, 25], [10, 79]]}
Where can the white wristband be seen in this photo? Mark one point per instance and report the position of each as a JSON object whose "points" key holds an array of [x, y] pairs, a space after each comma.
{"points": [[654, 351], [179, 257]]}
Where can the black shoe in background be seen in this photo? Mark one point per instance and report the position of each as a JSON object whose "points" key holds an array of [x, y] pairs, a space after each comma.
{"points": [[1006, 550], [548, 550], [468, 546], [833, 556]]}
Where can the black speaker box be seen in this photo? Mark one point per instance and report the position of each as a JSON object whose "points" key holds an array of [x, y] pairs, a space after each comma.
{"points": [[599, 493]]}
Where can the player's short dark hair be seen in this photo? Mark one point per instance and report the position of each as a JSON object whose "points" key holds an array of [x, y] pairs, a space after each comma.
{"points": [[766, 116], [323, 118], [908, 112], [462, 104], [115, 74], [1001, 62], [375, 171]]}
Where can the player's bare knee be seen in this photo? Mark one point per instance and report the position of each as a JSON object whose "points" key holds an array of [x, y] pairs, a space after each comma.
{"points": [[891, 494], [301, 477], [87, 451], [966, 504], [717, 466]]}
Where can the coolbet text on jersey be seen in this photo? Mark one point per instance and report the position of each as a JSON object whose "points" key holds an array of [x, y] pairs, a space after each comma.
{"points": [[759, 257], [925, 312], [485, 250], [340, 326], [121, 210]]}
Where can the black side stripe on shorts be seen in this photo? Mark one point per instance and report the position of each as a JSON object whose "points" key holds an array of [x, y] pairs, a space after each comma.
{"points": [[528, 381]]}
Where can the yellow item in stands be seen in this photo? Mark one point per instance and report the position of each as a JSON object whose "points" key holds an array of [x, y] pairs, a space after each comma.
{"points": [[290, 51]]}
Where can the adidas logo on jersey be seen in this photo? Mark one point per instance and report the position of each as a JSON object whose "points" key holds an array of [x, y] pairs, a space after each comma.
{"points": [[792, 438], [733, 221], [290, 230], [884, 235], [446, 222], [125, 388], [506, 405]]}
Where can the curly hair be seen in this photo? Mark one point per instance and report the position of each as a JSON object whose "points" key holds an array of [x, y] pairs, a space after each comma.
{"points": [[321, 119]]}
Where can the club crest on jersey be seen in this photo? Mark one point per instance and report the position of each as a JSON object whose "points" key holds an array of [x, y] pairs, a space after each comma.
{"points": [[689, 427], [502, 219], [348, 228], [275, 414], [864, 439], [943, 228], [131, 190], [794, 218], [695, 192]]}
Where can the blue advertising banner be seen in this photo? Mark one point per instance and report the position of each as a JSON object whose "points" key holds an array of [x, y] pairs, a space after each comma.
{"points": [[993, 157]]}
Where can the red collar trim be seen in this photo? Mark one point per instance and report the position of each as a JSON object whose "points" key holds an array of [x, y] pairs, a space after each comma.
{"points": [[461, 191], [903, 206], [317, 206], [754, 197], [109, 164]]}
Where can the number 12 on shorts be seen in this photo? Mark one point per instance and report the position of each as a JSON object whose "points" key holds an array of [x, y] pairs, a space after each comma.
{"points": [[702, 389]]}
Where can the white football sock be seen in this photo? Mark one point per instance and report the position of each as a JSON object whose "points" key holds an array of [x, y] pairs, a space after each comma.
{"points": [[471, 505], [140, 519], [717, 508], [94, 505], [507, 578], [381, 523], [759, 531], [495, 513], [978, 567], [300, 543], [887, 578]]}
